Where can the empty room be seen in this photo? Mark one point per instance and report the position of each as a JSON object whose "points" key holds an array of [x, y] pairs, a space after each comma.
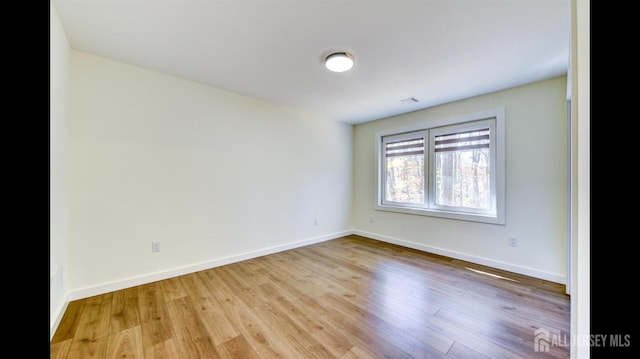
{"points": [[319, 179]]}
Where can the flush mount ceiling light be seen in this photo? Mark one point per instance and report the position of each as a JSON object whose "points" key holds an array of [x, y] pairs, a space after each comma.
{"points": [[339, 61]]}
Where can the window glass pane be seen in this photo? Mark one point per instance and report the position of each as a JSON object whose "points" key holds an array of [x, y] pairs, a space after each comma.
{"points": [[404, 164], [462, 170]]}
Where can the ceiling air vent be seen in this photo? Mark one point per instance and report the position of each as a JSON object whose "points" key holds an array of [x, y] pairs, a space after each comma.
{"points": [[409, 100]]}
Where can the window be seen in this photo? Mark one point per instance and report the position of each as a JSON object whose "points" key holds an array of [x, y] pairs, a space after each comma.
{"points": [[452, 168]]}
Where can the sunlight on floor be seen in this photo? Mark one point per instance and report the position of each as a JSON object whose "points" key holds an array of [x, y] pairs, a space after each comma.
{"points": [[491, 274]]}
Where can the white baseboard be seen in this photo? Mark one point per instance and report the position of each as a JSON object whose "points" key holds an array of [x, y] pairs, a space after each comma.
{"points": [[56, 316], [528, 271], [152, 277]]}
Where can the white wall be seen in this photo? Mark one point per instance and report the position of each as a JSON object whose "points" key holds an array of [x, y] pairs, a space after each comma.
{"points": [[581, 198], [213, 175], [536, 170], [58, 185]]}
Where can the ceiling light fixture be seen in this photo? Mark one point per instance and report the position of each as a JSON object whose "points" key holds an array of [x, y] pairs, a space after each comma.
{"points": [[339, 62]]}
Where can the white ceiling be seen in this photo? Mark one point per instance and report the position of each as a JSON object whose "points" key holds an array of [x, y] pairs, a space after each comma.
{"points": [[437, 51]]}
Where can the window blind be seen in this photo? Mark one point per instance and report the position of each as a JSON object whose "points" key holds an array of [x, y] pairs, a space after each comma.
{"points": [[460, 141], [405, 147]]}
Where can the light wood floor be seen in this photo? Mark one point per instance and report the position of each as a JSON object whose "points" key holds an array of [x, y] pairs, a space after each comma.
{"points": [[350, 297]]}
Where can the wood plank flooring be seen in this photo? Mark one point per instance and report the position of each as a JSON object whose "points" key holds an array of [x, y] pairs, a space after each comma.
{"points": [[351, 297]]}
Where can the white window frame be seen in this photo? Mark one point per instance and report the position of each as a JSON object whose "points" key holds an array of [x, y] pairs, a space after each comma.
{"points": [[396, 138], [496, 215]]}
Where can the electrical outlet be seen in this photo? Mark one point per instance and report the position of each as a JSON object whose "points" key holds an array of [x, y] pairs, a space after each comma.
{"points": [[155, 246], [371, 220], [315, 222], [513, 241]]}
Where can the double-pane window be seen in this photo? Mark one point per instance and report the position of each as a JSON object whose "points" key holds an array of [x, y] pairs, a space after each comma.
{"points": [[454, 169]]}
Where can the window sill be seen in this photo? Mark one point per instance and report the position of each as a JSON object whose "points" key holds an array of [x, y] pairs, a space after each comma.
{"points": [[471, 217]]}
